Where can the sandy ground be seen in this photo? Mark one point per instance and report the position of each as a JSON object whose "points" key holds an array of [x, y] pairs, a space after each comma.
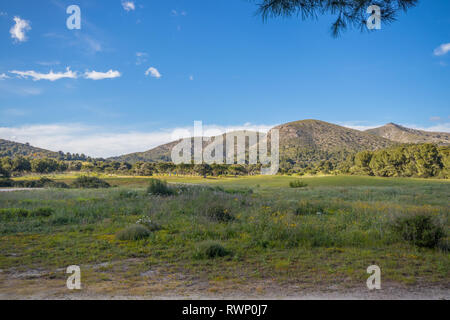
{"points": [[152, 285]]}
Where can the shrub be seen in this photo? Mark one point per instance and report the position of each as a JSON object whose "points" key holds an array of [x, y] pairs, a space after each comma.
{"points": [[42, 212], [149, 224], [159, 188], [14, 213], [90, 183], [419, 229], [219, 213], [135, 232], [307, 208], [6, 183], [41, 183], [24, 213], [297, 184], [210, 250]]}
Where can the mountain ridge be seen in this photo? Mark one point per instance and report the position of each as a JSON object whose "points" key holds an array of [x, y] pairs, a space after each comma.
{"points": [[319, 139], [401, 134]]}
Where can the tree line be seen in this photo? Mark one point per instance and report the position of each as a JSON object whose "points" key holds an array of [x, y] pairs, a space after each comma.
{"points": [[415, 160]]}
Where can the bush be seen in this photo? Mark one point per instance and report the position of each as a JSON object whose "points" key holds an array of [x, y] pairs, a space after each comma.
{"points": [[135, 232], [24, 213], [41, 183], [149, 224], [297, 184], [85, 182], [307, 208], [6, 183], [219, 213], [419, 229], [42, 212], [210, 250], [14, 213], [159, 188]]}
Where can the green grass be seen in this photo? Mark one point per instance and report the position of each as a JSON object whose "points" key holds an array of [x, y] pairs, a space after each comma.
{"points": [[274, 233]]}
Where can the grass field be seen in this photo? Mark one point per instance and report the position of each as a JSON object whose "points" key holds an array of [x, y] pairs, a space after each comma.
{"points": [[311, 238]]}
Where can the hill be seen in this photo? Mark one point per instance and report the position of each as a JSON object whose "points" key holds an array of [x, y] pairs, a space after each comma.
{"points": [[402, 134], [307, 140], [13, 149]]}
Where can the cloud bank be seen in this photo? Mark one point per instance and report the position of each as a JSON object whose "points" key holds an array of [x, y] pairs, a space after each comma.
{"points": [[102, 142], [51, 76]]}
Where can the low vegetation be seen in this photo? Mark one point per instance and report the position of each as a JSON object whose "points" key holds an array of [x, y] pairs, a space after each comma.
{"points": [[86, 182], [210, 250], [135, 232], [330, 231], [420, 229], [159, 188], [297, 184]]}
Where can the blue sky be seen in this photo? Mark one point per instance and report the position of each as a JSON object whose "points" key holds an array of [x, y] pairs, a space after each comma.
{"points": [[161, 65]]}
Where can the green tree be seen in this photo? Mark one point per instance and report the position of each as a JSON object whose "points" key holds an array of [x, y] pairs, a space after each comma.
{"points": [[21, 164], [348, 13]]}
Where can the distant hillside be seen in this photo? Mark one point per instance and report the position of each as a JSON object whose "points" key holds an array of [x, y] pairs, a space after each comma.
{"points": [[159, 154], [401, 134], [324, 136], [307, 140], [12, 149]]}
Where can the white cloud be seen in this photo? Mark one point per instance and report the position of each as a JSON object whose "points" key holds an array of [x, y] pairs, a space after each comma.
{"points": [[442, 127], [94, 75], [101, 142], [179, 13], [153, 72], [128, 5], [51, 76], [442, 49], [3, 76], [141, 57], [48, 63], [19, 29]]}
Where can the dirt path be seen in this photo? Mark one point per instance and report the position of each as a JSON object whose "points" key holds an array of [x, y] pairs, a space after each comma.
{"points": [[35, 286], [19, 189]]}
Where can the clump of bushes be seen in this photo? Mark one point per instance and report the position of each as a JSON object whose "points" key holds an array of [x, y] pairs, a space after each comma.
{"points": [[42, 212], [159, 188], [25, 213], [6, 183], [307, 208], [210, 250], [41, 183], [149, 224], [85, 182], [219, 213], [134, 232], [297, 184], [420, 229]]}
